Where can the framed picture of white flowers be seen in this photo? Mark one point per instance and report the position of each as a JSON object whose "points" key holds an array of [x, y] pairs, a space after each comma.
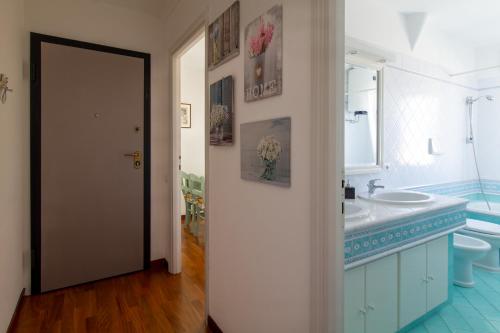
{"points": [[264, 55], [265, 151], [221, 112]]}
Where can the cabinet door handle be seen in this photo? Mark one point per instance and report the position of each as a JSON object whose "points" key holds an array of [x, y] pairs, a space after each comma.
{"points": [[362, 311], [425, 280], [371, 307], [430, 278]]}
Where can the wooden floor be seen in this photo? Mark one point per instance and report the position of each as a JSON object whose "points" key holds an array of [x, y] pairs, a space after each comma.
{"points": [[150, 301]]}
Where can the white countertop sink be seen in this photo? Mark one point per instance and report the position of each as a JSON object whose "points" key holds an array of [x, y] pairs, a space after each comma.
{"points": [[398, 197], [353, 211]]}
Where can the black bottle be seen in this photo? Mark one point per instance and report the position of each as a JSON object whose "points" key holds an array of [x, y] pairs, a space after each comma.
{"points": [[350, 192]]}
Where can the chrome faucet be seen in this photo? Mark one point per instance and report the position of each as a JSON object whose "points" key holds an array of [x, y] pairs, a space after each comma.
{"points": [[372, 187]]}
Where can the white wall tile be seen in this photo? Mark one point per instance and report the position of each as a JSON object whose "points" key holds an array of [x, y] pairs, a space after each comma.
{"points": [[417, 108]]}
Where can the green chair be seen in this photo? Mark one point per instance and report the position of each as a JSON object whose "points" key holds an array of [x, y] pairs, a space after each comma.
{"points": [[197, 189], [188, 198]]}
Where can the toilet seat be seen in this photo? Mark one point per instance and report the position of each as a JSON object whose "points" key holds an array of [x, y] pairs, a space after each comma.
{"points": [[483, 227]]}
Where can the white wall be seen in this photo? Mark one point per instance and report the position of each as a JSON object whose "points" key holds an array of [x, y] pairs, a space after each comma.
{"points": [[488, 134], [98, 22], [420, 99], [14, 172], [259, 245], [193, 92], [415, 109], [259, 234]]}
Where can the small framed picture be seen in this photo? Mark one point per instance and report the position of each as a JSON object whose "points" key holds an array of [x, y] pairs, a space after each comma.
{"points": [[185, 115]]}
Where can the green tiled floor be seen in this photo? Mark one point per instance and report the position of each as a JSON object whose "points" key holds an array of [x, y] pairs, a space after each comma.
{"points": [[472, 310]]}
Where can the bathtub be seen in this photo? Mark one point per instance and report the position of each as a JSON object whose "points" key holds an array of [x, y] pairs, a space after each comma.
{"points": [[471, 190], [478, 209]]}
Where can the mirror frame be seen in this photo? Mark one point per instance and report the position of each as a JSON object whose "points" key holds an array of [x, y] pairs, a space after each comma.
{"points": [[379, 67]]}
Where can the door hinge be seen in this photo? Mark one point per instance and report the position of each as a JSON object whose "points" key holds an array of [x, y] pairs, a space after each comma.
{"points": [[342, 208]]}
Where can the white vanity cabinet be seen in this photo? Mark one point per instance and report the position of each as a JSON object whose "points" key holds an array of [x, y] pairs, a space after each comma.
{"points": [[371, 296], [389, 293], [423, 279]]}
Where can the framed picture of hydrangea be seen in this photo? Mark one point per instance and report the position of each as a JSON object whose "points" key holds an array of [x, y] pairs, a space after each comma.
{"points": [[265, 151], [264, 55], [221, 112]]}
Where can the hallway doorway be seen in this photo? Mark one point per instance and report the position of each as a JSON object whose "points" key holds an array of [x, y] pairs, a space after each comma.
{"points": [[189, 146]]}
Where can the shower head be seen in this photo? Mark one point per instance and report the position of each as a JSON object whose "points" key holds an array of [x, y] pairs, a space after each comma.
{"points": [[470, 100]]}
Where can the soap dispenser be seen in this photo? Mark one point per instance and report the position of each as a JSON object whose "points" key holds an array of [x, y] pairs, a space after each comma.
{"points": [[350, 192]]}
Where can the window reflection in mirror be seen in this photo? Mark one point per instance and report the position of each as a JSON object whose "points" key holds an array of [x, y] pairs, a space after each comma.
{"points": [[362, 123]]}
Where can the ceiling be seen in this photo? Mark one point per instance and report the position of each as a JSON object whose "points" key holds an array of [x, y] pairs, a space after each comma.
{"points": [[474, 22], [157, 8]]}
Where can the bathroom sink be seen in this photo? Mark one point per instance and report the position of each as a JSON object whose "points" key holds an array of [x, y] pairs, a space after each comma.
{"points": [[353, 211], [398, 197]]}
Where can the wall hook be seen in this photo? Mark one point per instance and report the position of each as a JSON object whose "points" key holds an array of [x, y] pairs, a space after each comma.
{"points": [[4, 88]]}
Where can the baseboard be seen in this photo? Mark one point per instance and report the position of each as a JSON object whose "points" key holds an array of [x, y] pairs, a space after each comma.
{"points": [[16, 311], [212, 325], [159, 263]]}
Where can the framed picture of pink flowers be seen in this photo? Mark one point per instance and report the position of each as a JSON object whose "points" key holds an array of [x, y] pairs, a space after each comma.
{"points": [[224, 37], [264, 55]]}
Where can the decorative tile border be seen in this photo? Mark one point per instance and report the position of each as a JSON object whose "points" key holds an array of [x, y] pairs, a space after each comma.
{"points": [[454, 189], [486, 216], [461, 188], [363, 244]]}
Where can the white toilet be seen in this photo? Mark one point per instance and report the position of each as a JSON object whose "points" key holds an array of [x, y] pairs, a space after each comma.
{"points": [[490, 233], [466, 250]]}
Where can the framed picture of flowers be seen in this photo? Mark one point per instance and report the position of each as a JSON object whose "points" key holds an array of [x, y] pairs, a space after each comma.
{"points": [[185, 115], [221, 112], [264, 55], [265, 151], [224, 37]]}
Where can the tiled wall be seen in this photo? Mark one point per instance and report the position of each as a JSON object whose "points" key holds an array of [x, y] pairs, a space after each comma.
{"points": [[488, 134], [416, 108]]}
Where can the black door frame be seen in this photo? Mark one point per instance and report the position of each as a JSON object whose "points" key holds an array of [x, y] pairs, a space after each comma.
{"points": [[35, 141]]}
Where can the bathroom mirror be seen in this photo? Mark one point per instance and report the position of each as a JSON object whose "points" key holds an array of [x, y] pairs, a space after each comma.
{"points": [[363, 118]]}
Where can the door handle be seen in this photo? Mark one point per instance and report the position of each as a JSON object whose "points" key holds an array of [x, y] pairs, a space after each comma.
{"points": [[137, 156]]}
